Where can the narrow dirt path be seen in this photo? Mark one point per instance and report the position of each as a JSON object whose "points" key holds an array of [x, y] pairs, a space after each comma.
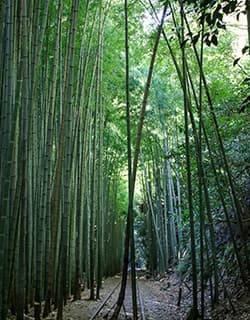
{"points": [[159, 300], [159, 297]]}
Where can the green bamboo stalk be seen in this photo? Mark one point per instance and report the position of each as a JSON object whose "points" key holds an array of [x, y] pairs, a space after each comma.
{"points": [[67, 153], [46, 167], [23, 174], [135, 163], [6, 147], [159, 216], [201, 188], [188, 170], [130, 187], [92, 262], [153, 215], [99, 176]]}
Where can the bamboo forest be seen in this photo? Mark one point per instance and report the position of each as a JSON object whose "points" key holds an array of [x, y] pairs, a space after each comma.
{"points": [[125, 159]]}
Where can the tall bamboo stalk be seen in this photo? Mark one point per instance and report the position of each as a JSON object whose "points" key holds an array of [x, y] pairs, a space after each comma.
{"points": [[188, 169], [135, 163], [130, 191]]}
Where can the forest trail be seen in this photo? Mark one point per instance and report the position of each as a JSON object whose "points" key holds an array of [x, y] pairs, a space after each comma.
{"points": [[160, 298]]}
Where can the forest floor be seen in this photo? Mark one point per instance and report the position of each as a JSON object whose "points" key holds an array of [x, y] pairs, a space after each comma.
{"points": [[160, 297]]}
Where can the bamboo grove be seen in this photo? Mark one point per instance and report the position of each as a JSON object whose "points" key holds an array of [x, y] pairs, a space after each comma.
{"points": [[52, 157], [63, 197]]}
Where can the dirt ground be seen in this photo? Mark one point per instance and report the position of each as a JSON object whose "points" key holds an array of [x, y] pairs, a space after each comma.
{"points": [[159, 300]]}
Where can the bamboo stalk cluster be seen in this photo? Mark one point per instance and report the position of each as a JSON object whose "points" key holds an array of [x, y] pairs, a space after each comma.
{"points": [[54, 192]]}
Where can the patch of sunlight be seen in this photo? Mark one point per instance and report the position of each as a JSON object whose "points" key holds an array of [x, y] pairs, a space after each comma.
{"points": [[117, 104], [115, 130], [149, 21], [158, 132], [239, 28], [149, 107]]}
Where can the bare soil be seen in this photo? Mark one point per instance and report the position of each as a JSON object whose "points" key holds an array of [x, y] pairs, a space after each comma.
{"points": [[159, 300]]}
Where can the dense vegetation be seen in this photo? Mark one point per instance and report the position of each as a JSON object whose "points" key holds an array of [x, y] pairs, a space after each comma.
{"points": [[90, 101]]}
